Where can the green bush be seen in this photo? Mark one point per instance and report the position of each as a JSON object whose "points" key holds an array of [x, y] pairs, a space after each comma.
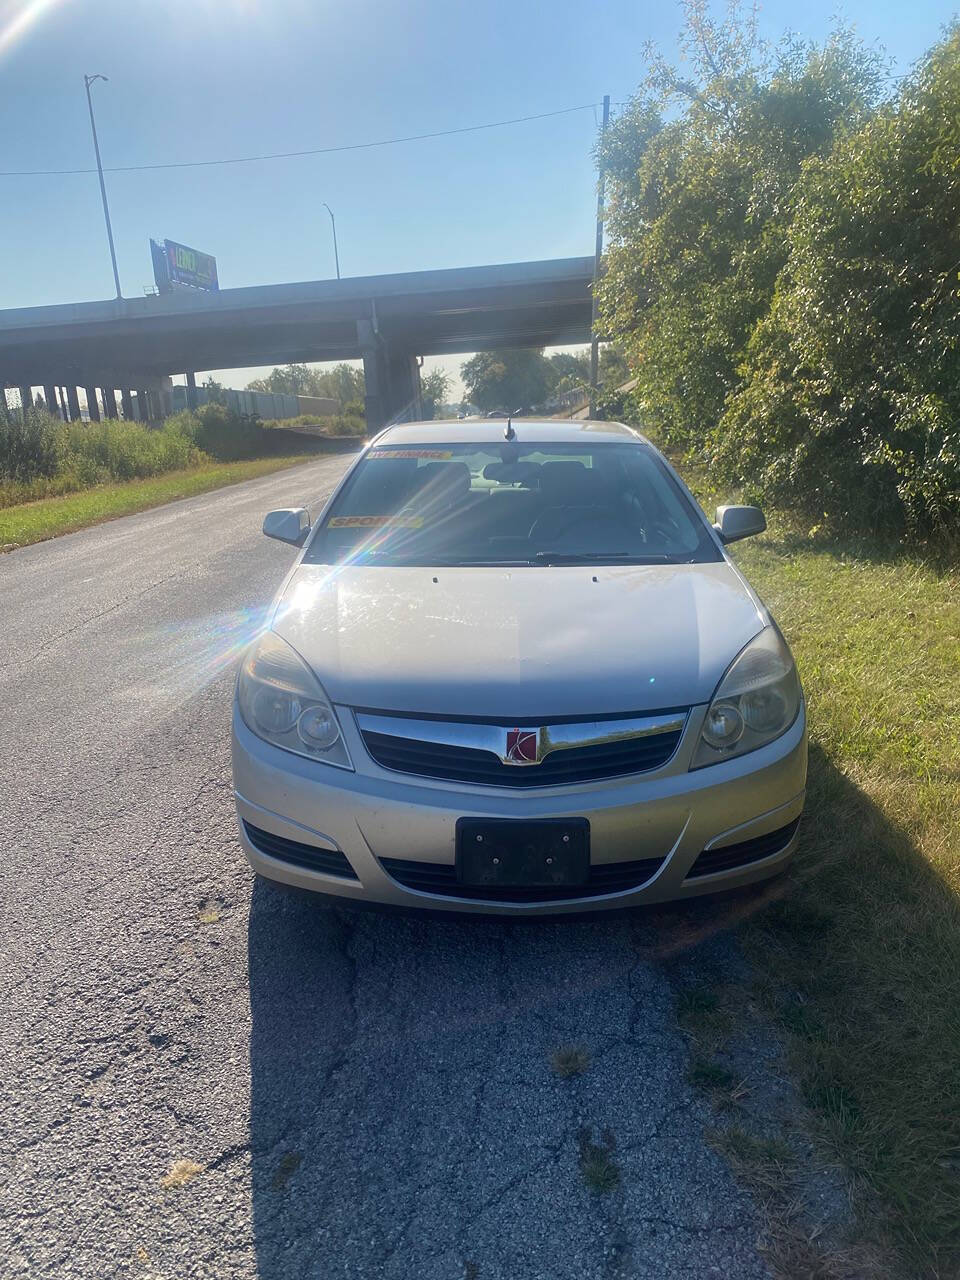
{"points": [[615, 406], [346, 424], [220, 433], [850, 407], [700, 171], [783, 273]]}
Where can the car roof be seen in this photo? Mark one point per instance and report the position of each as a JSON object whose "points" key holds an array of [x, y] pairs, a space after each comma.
{"points": [[487, 430]]}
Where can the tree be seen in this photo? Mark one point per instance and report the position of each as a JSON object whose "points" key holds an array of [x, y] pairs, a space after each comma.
{"points": [[569, 370], [433, 392], [291, 380], [216, 392], [701, 169], [343, 383], [507, 379], [613, 369], [851, 398]]}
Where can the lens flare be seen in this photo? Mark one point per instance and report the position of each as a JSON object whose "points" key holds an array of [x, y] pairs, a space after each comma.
{"points": [[17, 19]]}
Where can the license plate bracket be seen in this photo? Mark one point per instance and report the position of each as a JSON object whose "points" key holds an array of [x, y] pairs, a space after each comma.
{"points": [[522, 853]]}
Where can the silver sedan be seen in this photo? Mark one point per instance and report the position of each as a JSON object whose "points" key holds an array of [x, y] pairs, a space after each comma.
{"points": [[514, 670]]}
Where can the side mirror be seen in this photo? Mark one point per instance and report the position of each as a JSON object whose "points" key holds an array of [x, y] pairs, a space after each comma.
{"points": [[290, 524], [734, 523]]}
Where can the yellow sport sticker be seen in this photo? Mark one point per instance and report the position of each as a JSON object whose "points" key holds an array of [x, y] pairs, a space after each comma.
{"points": [[375, 522], [375, 455]]}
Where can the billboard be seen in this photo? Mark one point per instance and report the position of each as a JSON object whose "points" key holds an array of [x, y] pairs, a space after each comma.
{"points": [[176, 266]]}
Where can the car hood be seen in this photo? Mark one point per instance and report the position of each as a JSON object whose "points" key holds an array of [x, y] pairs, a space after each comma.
{"points": [[512, 644]]}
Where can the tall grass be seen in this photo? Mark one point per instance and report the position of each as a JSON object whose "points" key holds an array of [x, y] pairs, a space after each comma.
{"points": [[858, 953], [34, 521], [42, 457], [29, 446], [340, 424]]}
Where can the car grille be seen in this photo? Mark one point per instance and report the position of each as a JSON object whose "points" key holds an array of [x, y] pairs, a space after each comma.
{"points": [[746, 851], [441, 879], [574, 764], [330, 861]]}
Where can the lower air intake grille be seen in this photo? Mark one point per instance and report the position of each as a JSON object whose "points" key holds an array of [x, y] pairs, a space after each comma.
{"points": [[747, 851], [441, 879], [330, 861]]}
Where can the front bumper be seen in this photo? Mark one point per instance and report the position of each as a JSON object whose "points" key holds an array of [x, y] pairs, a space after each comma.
{"points": [[373, 814]]}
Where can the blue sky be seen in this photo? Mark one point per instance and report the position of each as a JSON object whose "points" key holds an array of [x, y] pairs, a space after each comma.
{"points": [[203, 79]]}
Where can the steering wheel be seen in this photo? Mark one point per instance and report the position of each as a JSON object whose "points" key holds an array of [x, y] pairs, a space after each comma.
{"points": [[665, 528], [590, 518]]}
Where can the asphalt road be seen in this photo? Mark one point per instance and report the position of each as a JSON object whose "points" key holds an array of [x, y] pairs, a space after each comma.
{"points": [[368, 1096]]}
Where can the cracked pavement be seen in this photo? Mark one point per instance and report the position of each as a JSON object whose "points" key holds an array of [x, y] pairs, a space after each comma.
{"points": [[367, 1095]]}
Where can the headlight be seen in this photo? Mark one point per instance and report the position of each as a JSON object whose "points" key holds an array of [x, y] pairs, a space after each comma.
{"points": [[281, 701], [756, 701]]}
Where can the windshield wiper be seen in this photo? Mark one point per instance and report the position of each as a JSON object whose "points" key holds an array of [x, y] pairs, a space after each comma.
{"points": [[440, 562], [599, 557]]}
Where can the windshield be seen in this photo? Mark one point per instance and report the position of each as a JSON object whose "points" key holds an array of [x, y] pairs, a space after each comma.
{"points": [[502, 503]]}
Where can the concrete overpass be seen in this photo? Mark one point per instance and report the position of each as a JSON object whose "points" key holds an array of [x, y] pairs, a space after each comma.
{"points": [[135, 344]]}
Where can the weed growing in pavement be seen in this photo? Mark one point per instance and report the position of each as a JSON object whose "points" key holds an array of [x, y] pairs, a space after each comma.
{"points": [[599, 1170], [570, 1060], [180, 1173], [288, 1166], [705, 1014]]}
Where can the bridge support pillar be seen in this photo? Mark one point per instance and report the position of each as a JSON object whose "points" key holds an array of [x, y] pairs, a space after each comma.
{"points": [[374, 377], [73, 403], [391, 380], [403, 378], [164, 398], [93, 404], [191, 390], [50, 399], [109, 402], [127, 402], [26, 398]]}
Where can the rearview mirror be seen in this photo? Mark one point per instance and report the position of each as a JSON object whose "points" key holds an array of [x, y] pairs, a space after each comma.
{"points": [[734, 523], [289, 524]]}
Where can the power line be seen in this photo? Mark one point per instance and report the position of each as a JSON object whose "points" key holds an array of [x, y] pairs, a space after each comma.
{"points": [[287, 155]]}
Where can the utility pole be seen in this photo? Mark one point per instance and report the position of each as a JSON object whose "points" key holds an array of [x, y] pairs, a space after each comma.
{"points": [[88, 81], [333, 224], [594, 340]]}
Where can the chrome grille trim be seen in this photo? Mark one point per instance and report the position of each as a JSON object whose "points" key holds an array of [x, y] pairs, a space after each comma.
{"points": [[485, 754], [492, 737]]}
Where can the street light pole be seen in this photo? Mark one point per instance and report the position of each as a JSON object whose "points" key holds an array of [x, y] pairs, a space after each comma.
{"points": [[598, 263], [333, 224], [88, 81]]}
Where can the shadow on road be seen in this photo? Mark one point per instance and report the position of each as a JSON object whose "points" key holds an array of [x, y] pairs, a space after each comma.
{"points": [[406, 1119]]}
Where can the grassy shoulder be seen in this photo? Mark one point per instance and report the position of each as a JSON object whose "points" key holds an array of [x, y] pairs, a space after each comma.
{"points": [[35, 521], [859, 951]]}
